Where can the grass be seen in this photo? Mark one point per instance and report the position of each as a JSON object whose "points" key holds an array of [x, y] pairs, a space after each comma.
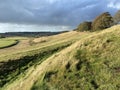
{"points": [[94, 64], [4, 43], [52, 42], [91, 62], [29, 44], [12, 68]]}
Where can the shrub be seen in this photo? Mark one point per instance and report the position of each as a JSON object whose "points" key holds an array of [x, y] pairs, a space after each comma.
{"points": [[117, 17], [85, 26], [1, 36], [103, 21]]}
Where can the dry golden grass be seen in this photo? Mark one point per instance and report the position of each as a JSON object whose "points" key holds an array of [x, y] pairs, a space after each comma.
{"points": [[70, 36], [57, 62], [25, 46]]}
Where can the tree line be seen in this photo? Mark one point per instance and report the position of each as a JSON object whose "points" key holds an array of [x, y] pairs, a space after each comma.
{"points": [[103, 21]]}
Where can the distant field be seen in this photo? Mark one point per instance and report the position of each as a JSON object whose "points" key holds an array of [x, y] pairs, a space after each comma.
{"points": [[4, 43], [28, 44]]}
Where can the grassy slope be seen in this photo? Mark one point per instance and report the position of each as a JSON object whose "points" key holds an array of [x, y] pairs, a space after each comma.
{"points": [[25, 45], [91, 63], [26, 57], [12, 69]]}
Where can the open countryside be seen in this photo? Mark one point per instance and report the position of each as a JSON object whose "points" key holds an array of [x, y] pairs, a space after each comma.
{"points": [[84, 58]]}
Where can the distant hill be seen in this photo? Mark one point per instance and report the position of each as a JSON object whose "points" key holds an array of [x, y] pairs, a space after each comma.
{"points": [[29, 34]]}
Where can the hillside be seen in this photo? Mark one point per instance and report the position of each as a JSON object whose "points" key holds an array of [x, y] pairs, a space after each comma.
{"points": [[75, 61]]}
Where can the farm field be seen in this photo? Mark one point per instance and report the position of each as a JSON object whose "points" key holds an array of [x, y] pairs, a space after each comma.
{"points": [[4, 43], [67, 61], [29, 44]]}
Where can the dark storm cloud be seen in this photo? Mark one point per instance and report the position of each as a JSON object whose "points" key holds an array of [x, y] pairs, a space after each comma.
{"points": [[54, 12]]}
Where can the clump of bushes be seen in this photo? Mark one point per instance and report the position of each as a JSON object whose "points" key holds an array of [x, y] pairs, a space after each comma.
{"points": [[103, 21], [1, 36], [85, 26], [117, 17]]}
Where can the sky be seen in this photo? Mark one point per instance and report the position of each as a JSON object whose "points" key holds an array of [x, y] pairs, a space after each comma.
{"points": [[61, 14]]}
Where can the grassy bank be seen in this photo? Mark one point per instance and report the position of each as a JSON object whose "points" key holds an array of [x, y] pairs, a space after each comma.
{"points": [[91, 64], [12, 68]]}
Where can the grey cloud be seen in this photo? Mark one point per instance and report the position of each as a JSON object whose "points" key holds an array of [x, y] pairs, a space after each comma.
{"points": [[53, 12]]}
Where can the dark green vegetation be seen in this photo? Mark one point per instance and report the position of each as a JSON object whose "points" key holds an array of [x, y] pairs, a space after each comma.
{"points": [[95, 66], [1, 36], [103, 21], [85, 26], [28, 34], [117, 17], [11, 69]]}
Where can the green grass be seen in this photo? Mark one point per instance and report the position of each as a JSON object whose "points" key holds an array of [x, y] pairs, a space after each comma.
{"points": [[4, 43]]}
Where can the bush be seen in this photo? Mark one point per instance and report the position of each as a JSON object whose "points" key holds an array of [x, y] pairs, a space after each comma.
{"points": [[85, 26], [117, 17], [103, 21], [1, 36]]}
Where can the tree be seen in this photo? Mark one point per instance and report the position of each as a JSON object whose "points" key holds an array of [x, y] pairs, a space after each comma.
{"points": [[117, 17], [103, 21], [85, 26]]}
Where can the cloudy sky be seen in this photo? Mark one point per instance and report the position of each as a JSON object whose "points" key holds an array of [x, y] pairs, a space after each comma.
{"points": [[65, 13]]}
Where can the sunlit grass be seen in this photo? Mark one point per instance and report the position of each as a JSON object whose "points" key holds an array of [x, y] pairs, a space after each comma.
{"points": [[92, 62], [4, 43]]}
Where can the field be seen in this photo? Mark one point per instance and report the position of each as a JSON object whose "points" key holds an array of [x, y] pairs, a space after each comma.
{"points": [[68, 61], [4, 43]]}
